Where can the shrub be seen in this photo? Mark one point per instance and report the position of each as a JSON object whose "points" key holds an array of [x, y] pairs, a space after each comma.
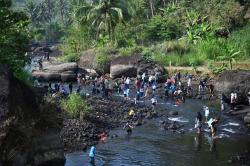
{"points": [[163, 28], [74, 105], [179, 47], [131, 50], [70, 57]]}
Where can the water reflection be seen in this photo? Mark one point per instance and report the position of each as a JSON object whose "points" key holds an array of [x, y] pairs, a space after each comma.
{"points": [[198, 142]]}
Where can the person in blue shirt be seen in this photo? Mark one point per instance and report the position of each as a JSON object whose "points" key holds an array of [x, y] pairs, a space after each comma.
{"points": [[92, 155]]}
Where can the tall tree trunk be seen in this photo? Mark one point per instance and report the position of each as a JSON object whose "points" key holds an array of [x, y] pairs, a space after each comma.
{"points": [[151, 4]]}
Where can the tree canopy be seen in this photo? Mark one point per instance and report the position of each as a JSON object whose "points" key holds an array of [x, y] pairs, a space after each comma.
{"points": [[13, 36]]}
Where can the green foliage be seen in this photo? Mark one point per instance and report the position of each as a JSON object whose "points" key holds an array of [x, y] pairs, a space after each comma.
{"points": [[176, 46], [178, 60], [75, 41], [74, 105], [220, 69], [240, 39], [13, 37], [128, 51], [24, 76], [102, 15], [163, 28]]}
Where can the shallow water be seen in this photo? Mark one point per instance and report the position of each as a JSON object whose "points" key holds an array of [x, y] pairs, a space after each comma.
{"points": [[149, 145]]}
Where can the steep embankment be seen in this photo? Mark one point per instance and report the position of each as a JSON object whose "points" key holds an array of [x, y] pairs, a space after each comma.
{"points": [[28, 127]]}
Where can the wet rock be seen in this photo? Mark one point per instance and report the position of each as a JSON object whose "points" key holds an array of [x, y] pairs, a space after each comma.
{"points": [[173, 113]]}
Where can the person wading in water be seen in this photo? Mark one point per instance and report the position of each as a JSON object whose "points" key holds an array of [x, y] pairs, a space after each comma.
{"points": [[198, 122]]}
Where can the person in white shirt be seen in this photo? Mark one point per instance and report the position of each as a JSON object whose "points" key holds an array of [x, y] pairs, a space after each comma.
{"points": [[206, 113], [153, 101]]}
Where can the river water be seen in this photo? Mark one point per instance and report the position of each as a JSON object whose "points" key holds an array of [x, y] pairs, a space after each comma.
{"points": [[149, 145]]}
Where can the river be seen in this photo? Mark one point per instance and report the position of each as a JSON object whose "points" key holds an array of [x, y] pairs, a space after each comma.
{"points": [[149, 145]]}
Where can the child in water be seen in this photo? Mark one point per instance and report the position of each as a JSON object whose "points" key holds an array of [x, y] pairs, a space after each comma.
{"points": [[92, 155]]}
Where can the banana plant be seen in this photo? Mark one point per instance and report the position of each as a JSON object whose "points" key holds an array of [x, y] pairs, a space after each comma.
{"points": [[230, 56]]}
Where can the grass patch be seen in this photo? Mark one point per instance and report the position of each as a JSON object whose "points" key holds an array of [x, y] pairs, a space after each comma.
{"points": [[75, 105]]}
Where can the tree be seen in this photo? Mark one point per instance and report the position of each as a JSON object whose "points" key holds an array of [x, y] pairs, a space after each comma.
{"points": [[104, 15], [13, 37]]}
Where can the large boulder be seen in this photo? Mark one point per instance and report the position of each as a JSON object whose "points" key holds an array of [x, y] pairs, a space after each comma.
{"points": [[88, 62], [29, 130], [63, 67], [134, 65], [65, 72], [234, 80]]}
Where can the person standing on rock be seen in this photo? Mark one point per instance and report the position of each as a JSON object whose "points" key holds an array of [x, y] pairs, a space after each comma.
{"points": [[222, 102], [201, 86], [127, 82], [154, 88], [141, 91], [92, 155], [143, 77], [40, 63], [153, 101], [137, 96], [166, 89], [178, 76], [137, 84], [189, 84], [233, 100]]}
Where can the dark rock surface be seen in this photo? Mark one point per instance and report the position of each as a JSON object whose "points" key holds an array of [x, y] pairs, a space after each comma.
{"points": [[134, 65], [65, 72], [29, 132], [106, 115], [89, 63], [234, 80]]}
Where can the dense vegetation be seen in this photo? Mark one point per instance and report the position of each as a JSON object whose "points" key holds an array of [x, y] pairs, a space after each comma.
{"points": [[180, 32], [14, 37]]}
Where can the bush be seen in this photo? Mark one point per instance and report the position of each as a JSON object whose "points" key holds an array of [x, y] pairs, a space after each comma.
{"points": [[178, 60], [131, 50], [211, 48], [70, 57], [74, 105], [241, 40], [179, 47], [163, 28]]}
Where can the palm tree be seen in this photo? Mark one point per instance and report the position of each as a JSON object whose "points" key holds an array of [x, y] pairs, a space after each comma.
{"points": [[103, 15]]}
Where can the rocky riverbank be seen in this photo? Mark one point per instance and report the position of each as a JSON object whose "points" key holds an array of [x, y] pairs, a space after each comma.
{"points": [[106, 115]]}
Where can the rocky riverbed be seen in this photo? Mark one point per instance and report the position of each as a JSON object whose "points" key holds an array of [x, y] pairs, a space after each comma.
{"points": [[106, 115]]}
